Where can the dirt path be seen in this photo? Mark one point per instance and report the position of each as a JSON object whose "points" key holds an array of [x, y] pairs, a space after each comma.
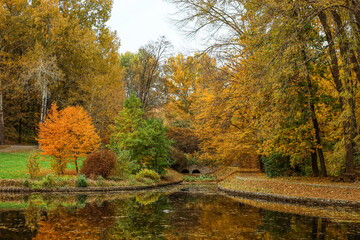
{"points": [[17, 148], [294, 187], [335, 185]]}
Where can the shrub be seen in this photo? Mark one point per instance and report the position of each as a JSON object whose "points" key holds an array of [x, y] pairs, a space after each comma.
{"points": [[26, 183], [81, 181], [99, 180], [277, 165], [48, 181], [33, 164], [147, 173], [100, 163]]}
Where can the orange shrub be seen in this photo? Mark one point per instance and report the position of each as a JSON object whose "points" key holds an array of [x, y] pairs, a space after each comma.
{"points": [[100, 163]]}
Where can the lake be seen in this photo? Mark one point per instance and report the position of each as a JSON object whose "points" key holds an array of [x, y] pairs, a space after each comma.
{"points": [[182, 212]]}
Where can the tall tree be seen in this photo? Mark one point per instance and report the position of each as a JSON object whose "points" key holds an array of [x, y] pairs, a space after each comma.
{"points": [[143, 72], [41, 67]]}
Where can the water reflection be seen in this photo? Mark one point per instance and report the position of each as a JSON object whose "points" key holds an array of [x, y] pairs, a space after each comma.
{"points": [[160, 215]]}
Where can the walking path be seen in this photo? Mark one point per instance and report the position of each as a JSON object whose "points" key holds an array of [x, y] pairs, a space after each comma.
{"points": [[297, 190], [17, 148], [355, 185]]}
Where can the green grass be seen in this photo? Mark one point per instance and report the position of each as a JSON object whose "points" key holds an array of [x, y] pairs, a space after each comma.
{"points": [[13, 205], [201, 178], [13, 165]]}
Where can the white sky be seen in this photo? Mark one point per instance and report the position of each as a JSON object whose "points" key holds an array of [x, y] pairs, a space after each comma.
{"points": [[138, 22]]}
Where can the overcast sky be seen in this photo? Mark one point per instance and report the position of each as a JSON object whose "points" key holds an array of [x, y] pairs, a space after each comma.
{"points": [[139, 21]]}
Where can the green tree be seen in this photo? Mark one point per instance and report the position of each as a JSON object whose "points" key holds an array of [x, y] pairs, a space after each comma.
{"points": [[145, 141]]}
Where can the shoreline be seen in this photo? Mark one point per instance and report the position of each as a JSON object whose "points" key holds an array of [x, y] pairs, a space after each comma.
{"points": [[307, 201], [20, 190]]}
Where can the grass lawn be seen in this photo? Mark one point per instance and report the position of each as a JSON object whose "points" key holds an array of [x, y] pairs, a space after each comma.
{"points": [[13, 165]]}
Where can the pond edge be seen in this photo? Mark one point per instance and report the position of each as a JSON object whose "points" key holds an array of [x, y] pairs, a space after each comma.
{"points": [[289, 199], [87, 189]]}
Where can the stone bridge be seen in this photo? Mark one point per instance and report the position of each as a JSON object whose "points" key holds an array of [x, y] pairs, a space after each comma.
{"points": [[195, 169]]}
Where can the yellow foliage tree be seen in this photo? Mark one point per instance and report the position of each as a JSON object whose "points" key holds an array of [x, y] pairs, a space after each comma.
{"points": [[225, 121]]}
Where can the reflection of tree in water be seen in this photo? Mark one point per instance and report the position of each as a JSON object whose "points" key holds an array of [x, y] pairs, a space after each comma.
{"points": [[289, 226], [12, 226], [136, 220], [80, 221], [32, 216], [182, 215], [100, 216], [199, 216], [61, 223]]}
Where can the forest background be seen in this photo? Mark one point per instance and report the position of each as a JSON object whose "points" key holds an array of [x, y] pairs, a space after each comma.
{"points": [[278, 86]]}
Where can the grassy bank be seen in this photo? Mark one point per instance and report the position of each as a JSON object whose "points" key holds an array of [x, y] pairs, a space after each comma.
{"points": [[13, 166], [13, 174], [71, 182]]}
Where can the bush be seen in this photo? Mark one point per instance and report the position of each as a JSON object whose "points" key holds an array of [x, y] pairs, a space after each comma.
{"points": [[26, 183], [277, 165], [48, 181], [100, 163], [33, 164], [81, 181], [99, 181], [147, 173]]}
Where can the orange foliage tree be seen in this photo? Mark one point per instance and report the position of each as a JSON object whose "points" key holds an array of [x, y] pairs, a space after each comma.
{"points": [[62, 224], [67, 135]]}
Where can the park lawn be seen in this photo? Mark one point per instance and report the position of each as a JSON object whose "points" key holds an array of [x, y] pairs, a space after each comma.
{"points": [[13, 165]]}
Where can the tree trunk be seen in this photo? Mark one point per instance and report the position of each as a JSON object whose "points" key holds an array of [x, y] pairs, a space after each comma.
{"points": [[43, 104], [76, 166], [314, 164], [20, 130], [318, 141], [314, 224], [350, 128], [347, 123], [2, 125], [315, 122]]}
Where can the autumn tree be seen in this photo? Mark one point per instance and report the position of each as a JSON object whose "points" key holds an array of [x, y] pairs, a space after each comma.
{"points": [[290, 51], [67, 135], [143, 72], [57, 51], [181, 82], [41, 68]]}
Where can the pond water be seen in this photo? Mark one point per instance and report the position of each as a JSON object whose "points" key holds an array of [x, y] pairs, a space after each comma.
{"points": [[184, 212]]}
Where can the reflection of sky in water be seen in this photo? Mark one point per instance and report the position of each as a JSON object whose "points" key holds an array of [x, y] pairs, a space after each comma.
{"points": [[160, 215]]}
